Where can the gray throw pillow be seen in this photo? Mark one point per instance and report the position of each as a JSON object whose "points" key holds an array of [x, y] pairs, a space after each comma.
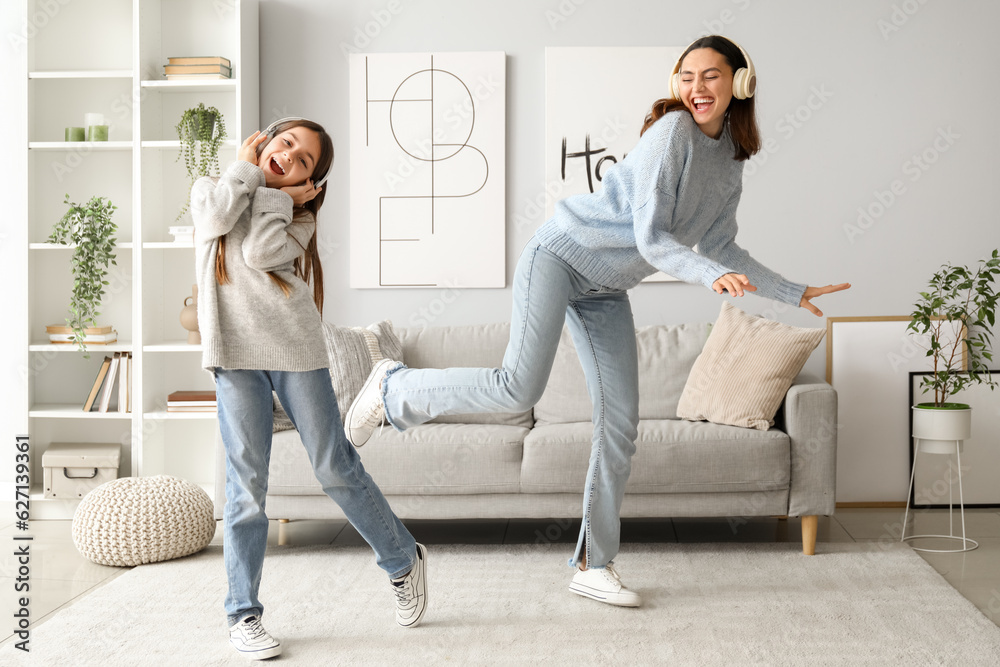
{"points": [[352, 352]]}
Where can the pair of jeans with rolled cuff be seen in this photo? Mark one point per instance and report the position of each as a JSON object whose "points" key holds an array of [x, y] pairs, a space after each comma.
{"points": [[246, 422]]}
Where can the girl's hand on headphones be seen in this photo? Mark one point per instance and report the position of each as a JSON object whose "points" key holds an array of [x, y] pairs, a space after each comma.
{"points": [[302, 193], [248, 151]]}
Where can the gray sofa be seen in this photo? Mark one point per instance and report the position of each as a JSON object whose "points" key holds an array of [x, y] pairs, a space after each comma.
{"points": [[533, 464]]}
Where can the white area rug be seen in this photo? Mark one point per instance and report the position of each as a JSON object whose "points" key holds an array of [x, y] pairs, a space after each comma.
{"points": [[704, 604]]}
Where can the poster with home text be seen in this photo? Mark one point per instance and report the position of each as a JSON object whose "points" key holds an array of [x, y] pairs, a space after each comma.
{"points": [[596, 99]]}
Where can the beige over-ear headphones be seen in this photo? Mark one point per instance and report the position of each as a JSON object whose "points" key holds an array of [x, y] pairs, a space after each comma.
{"points": [[744, 79]]}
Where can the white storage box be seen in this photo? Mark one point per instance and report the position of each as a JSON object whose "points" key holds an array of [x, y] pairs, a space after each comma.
{"points": [[72, 469]]}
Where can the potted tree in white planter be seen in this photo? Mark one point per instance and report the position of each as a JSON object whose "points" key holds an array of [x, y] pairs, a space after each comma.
{"points": [[957, 294]]}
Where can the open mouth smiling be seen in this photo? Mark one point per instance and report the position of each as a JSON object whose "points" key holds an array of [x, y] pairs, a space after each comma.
{"points": [[702, 104]]}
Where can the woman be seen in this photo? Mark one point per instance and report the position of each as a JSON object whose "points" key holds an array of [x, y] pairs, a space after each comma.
{"points": [[678, 187]]}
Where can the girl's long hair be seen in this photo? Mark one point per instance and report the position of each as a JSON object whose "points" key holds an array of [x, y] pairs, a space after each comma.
{"points": [[307, 266], [741, 115]]}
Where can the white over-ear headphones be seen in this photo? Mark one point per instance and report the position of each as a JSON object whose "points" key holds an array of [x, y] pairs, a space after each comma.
{"points": [[272, 130], [744, 79]]}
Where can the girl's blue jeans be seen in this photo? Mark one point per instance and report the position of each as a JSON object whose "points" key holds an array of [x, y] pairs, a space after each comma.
{"points": [[246, 421], [547, 293]]}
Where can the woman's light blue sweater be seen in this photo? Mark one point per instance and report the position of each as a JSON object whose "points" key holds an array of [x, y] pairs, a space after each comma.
{"points": [[676, 189]]}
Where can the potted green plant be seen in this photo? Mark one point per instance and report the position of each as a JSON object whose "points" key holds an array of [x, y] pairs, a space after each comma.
{"points": [[957, 294], [201, 131], [91, 231]]}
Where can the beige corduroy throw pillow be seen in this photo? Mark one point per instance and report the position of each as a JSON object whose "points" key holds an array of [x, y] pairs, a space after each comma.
{"points": [[745, 369]]}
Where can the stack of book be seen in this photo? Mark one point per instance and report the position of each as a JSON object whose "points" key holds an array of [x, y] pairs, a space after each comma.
{"points": [[183, 235], [191, 401], [198, 67], [62, 335], [117, 368]]}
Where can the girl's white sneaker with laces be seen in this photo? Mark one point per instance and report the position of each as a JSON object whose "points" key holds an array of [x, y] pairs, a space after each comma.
{"points": [[411, 591], [251, 639], [604, 585], [367, 411]]}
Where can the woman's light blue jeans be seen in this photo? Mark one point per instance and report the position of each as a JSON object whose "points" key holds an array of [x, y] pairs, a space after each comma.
{"points": [[547, 293], [246, 422]]}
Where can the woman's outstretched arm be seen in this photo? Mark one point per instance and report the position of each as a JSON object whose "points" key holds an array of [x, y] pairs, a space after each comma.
{"points": [[719, 243]]}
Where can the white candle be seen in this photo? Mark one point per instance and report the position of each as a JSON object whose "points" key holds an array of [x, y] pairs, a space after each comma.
{"points": [[93, 119]]}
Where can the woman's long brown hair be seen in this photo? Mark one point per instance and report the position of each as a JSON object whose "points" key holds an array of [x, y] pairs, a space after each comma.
{"points": [[741, 116], [306, 266]]}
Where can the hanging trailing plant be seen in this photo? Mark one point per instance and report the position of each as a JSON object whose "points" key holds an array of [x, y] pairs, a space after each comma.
{"points": [[90, 229], [201, 131]]}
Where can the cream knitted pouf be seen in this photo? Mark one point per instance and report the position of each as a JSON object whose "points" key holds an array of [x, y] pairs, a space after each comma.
{"points": [[136, 520]]}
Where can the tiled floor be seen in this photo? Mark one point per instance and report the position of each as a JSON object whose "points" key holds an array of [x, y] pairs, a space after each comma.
{"points": [[60, 575]]}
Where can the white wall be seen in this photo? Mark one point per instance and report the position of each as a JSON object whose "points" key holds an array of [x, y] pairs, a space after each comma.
{"points": [[891, 82]]}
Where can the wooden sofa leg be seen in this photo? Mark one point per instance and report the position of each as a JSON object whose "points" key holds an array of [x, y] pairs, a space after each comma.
{"points": [[809, 524], [282, 532]]}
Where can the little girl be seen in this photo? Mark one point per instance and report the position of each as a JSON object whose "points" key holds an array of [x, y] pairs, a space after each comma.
{"points": [[261, 327]]}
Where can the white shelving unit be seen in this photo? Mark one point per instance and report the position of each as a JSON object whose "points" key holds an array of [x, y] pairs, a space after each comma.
{"points": [[117, 70]]}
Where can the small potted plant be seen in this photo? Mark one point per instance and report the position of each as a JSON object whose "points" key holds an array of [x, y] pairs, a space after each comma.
{"points": [[201, 131], [957, 294], [91, 231]]}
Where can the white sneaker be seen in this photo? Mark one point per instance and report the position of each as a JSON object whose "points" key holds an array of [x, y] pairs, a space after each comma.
{"points": [[605, 586], [411, 591], [367, 410], [251, 639]]}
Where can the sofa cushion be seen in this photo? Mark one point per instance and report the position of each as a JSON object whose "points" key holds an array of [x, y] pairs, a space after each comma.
{"points": [[745, 370], [666, 355], [433, 459], [474, 346], [672, 456]]}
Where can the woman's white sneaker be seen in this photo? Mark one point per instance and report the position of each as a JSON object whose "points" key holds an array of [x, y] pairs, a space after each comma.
{"points": [[604, 585], [367, 410], [251, 639]]}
